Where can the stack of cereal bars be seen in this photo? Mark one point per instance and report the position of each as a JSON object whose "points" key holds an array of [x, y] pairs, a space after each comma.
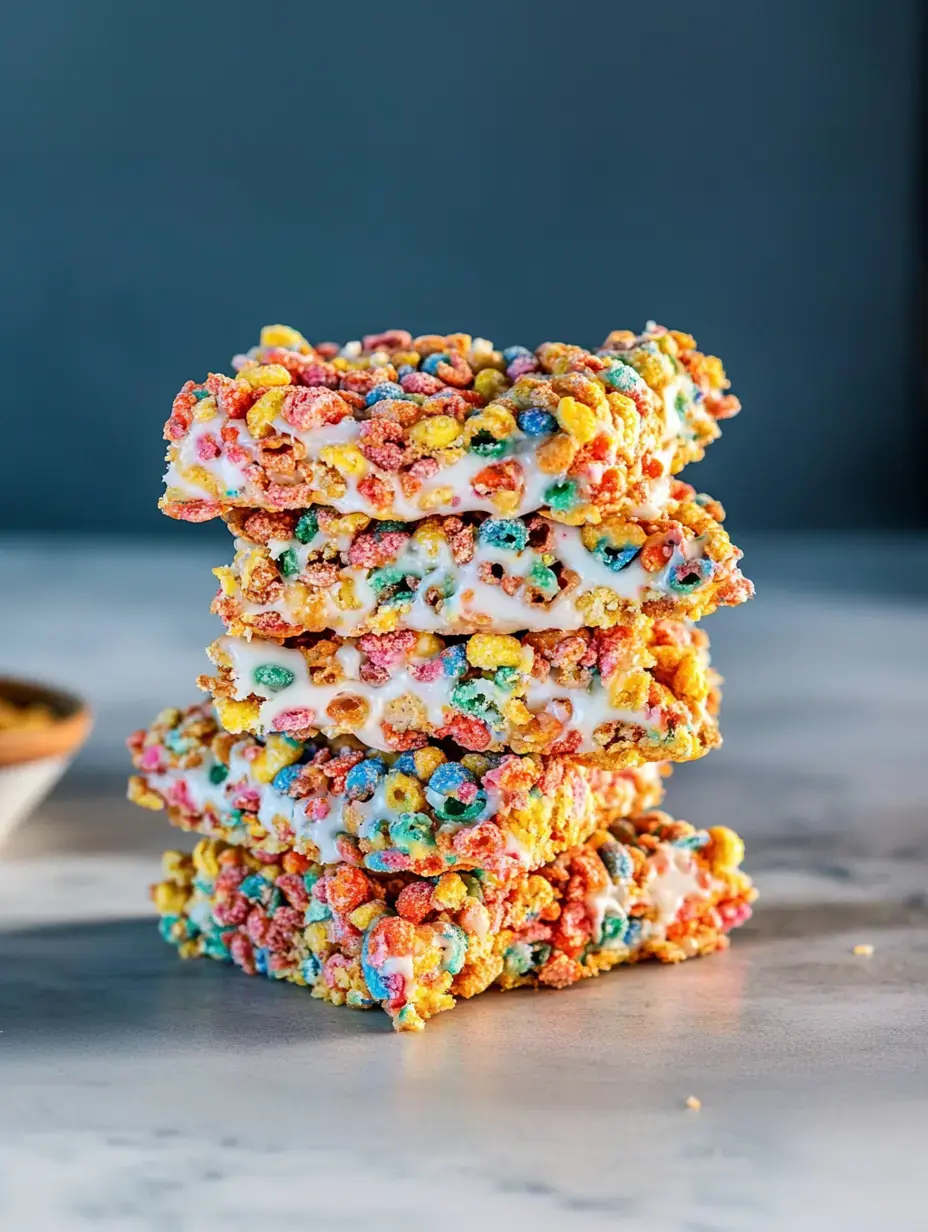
{"points": [[460, 654]]}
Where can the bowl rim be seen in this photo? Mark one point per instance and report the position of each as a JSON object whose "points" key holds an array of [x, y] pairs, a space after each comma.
{"points": [[69, 729]]}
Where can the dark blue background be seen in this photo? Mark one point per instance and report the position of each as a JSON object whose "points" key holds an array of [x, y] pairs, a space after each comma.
{"points": [[180, 172]]}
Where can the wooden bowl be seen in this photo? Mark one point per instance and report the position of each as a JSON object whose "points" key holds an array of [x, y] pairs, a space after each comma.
{"points": [[33, 759]]}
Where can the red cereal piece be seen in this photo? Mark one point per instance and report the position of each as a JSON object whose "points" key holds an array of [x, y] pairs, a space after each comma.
{"points": [[371, 551], [506, 476], [293, 889], [414, 901], [376, 491], [234, 398], [469, 733], [347, 888], [477, 843]]}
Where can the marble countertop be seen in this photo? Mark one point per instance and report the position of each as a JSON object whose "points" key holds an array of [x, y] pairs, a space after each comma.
{"points": [[140, 1093]]}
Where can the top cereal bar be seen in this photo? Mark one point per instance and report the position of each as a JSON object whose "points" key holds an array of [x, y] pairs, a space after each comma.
{"points": [[401, 427]]}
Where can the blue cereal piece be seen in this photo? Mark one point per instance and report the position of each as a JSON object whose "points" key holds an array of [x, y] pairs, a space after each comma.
{"points": [[411, 830], [431, 362], [687, 577], [448, 778], [361, 780], [614, 556], [454, 941], [386, 389], [284, 779], [507, 533], [454, 661], [536, 422], [618, 862], [516, 352]]}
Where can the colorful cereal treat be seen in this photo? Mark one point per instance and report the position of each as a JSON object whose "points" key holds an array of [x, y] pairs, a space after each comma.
{"points": [[422, 812], [313, 570], [401, 427], [649, 887], [616, 696]]}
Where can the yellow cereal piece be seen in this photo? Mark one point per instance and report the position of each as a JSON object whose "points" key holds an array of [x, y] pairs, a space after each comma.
{"points": [[690, 680], [235, 716], [506, 502], [450, 892], [693, 1103], [725, 850], [577, 419], [517, 712], [177, 866], [629, 692], [204, 858], [494, 650], [139, 794], [863, 951], [205, 410], [616, 531], [575, 517], [429, 537], [403, 793], [555, 456], [265, 374], [261, 415], [384, 621], [363, 917], [490, 382], [712, 366], [283, 336], [168, 898], [197, 475], [427, 761], [346, 459], [278, 752], [495, 420], [476, 763], [345, 597], [348, 525], [315, 937], [655, 370], [436, 498], [428, 645], [436, 432]]}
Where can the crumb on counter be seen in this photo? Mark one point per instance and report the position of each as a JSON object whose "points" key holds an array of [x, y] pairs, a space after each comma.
{"points": [[693, 1103], [863, 951]]}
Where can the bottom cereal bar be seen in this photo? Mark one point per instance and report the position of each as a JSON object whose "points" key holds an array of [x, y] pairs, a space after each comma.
{"points": [[647, 887]]}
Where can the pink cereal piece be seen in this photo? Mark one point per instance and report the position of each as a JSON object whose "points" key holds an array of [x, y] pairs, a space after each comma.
{"points": [[424, 468], [249, 800], [467, 793], [193, 511], [421, 383], [151, 757], [317, 809], [292, 887], [178, 796], [207, 448], [250, 752], [242, 953], [313, 407], [347, 848], [389, 340], [237, 454], [427, 672], [293, 720]]}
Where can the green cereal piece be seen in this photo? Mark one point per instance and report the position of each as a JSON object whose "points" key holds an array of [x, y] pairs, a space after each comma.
{"points": [[288, 563], [544, 578], [273, 676], [562, 496], [218, 773], [308, 526]]}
